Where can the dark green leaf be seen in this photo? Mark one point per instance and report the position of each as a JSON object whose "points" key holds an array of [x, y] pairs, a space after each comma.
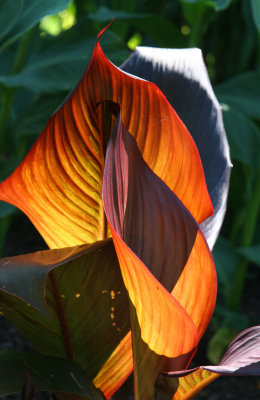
{"points": [[243, 136], [7, 166], [217, 4], [242, 93], [53, 68], [232, 319], [218, 344], [33, 118], [104, 14], [255, 4], [251, 253], [160, 29], [6, 209], [228, 324], [48, 374], [30, 13], [9, 13], [57, 64], [226, 258]]}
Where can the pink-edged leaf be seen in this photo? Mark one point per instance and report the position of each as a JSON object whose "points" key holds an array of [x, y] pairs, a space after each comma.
{"points": [[183, 78], [72, 303], [241, 358]]}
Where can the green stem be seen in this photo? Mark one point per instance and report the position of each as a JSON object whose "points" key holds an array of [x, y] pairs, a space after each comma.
{"points": [[9, 93], [237, 226], [253, 208], [196, 31]]}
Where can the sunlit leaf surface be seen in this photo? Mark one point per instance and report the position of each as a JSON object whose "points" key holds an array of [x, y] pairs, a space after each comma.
{"points": [[59, 183]]}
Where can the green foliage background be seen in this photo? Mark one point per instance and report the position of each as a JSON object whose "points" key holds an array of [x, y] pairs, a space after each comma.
{"points": [[44, 48]]}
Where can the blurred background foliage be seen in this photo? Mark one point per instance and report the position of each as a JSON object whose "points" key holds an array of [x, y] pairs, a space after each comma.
{"points": [[44, 48]]}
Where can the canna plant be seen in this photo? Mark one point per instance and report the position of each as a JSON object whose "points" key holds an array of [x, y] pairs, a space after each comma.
{"points": [[124, 199]]}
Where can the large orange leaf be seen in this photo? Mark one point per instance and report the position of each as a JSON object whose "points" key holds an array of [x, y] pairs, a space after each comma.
{"points": [[58, 185], [196, 288]]}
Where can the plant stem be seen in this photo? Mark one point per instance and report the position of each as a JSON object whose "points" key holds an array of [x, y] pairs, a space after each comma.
{"points": [[9, 93], [253, 208], [196, 27], [237, 226]]}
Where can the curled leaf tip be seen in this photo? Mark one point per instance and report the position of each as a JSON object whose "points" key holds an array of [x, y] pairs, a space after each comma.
{"points": [[104, 29]]}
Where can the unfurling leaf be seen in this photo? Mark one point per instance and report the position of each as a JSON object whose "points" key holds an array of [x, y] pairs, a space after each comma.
{"points": [[116, 160], [147, 220], [59, 183]]}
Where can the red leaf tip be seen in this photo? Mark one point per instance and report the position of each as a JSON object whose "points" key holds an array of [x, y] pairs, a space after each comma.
{"points": [[104, 29]]}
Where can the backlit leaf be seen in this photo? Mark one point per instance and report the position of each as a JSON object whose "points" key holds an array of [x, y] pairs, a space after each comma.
{"points": [[58, 185]]}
